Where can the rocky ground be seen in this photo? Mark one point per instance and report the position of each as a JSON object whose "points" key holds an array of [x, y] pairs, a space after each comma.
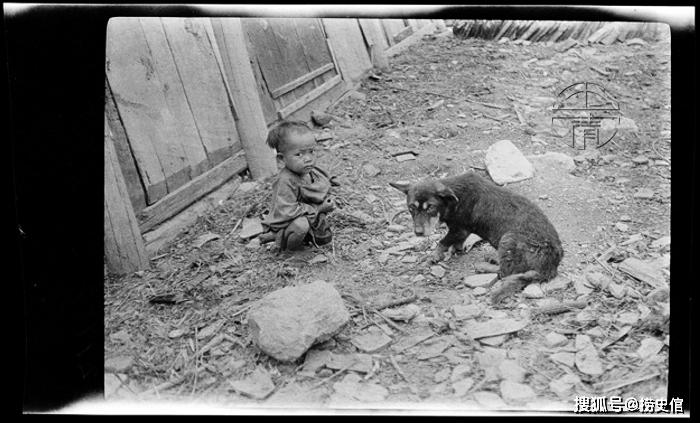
{"points": [[179, 331]]}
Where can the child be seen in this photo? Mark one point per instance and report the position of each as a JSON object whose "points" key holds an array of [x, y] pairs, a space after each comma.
{"points": [[300, 195]]}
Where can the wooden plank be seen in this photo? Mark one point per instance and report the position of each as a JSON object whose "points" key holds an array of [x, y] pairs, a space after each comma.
{"points": [[293, 58], [124, 247], [138, 94], [308, 97], [219, 61], [377, 44], [132, 179], [346, 40], [251, 50], [252, 126], [313, 40], [301, 80], [322, 102], [403, 34], [393, 27], [204, 86], [177, 200], [183, 128], [413, 38]]}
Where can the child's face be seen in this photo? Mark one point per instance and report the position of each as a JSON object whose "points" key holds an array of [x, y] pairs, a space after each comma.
{"points": [[299, 155]]}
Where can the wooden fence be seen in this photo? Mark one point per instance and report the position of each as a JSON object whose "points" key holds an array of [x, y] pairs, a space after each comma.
{"points": [[188, 102]]}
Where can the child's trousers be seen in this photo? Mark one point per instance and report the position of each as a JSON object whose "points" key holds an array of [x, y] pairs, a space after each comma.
{"points": [[294, 236]]}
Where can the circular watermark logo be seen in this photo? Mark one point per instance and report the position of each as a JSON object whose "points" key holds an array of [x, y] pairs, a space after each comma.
{"points": [[586, 113]]}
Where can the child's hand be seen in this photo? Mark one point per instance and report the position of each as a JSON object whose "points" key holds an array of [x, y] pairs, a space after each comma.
{"points": [[327, 206]]}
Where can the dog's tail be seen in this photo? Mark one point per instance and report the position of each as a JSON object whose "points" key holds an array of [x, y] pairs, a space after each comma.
{"points": [[514, 283]]}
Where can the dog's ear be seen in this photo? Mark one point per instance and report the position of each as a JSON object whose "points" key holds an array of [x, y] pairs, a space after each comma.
{"points": [[402, 186], [445, 192]]}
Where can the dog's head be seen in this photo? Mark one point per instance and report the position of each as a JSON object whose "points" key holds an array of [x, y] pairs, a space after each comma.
{"points": [[427, 202]]}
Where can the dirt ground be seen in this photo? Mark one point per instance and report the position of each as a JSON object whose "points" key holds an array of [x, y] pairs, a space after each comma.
{"points": [[447, 100]]}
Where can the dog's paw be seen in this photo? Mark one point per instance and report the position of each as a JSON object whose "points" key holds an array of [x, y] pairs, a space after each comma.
{"points": [[437, 256]]}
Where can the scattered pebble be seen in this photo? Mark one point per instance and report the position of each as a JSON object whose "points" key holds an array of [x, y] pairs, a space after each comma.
{"points": [[437, 271], [516, 392], [554, 339], [533, 291], [649, 348]]}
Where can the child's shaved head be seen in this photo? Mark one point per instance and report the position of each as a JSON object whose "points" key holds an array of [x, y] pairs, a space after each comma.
{"points": [[277, 136]]}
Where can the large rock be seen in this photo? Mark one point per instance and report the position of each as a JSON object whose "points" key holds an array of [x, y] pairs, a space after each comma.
{"points": [[287, 322], [506, 164]]}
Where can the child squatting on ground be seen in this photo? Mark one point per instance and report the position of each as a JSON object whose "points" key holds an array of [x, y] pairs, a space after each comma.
{"points": [[301, 193]]}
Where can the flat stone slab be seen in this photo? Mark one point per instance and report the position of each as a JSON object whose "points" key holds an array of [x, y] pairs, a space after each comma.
{"points": [[258, 385], [250, 227], [506, 164], [493, 327], [371, 342], [483, 280]]}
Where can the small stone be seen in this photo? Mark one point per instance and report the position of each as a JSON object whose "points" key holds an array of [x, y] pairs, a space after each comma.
{"points": [[511, 370], [396, 228], [640, 160], [644, 194], [595, 332], [565, 358], [564, 384], [356, 362], [516, 392], [437, 271], [176, 333], [460, 371], [493, 341], [597, 280], [371, 170], [405, 157], [554, 339], [480, 281], [617, 290], [442, 375], [622, 227], [586, 359], [318, 259], [659, 294], [120, 364], [625, 218], [251, 227], [480, 290], [409, 259], [371, 342], [418, 279], [662, 242], [463, 386], [628, 318], [463, 312], [649, 348], [258, 385], [489, 400], [644, 271], [405, 313], [586, 316], [533, 291], [582, 286]]}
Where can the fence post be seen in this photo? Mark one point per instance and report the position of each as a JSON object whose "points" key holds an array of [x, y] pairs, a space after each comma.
{"points": [[125, 251], [251, 124]]}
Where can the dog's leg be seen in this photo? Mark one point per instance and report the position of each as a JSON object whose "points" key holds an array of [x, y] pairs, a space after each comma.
{"points": [[459, 238], [513, 283], [454, 238]]}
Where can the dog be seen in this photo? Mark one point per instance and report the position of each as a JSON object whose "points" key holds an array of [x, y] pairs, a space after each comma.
{"points": [[529, 249]]}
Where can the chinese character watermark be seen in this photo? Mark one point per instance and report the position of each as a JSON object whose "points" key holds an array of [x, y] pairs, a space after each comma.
{"points": [[597, 405], [588, 112]]}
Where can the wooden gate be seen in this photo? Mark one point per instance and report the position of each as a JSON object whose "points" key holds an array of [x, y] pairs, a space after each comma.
{"points": [[292, 61], [170, 104]]}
